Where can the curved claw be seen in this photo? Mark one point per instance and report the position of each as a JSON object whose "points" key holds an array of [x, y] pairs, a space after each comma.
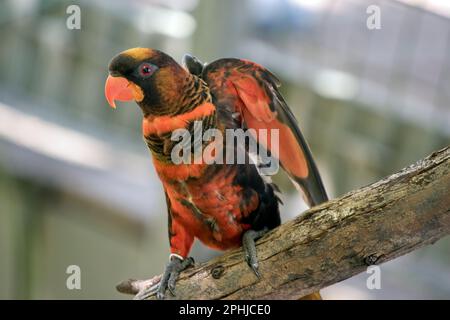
{"points": [[253, 263], [170, 276], [248, 244]]}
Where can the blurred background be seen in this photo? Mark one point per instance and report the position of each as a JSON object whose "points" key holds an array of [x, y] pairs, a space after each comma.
{"points": [[77, 186]]}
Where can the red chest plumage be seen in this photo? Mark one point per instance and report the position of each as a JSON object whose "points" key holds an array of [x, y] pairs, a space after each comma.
{"points": [[209, 206]]}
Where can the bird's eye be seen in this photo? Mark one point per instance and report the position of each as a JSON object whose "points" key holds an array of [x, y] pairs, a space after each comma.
{"points": [[146, 69]]}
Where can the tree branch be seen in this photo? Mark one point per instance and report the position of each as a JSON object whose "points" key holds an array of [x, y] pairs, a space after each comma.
{"points": [[333, 241]]}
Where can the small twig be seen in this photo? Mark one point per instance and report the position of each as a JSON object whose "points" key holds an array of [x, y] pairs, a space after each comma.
{"points": [[133, 286]]}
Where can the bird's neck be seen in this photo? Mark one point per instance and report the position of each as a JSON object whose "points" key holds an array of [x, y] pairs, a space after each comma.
{"points": [[194, 105], [175, 92], [195, 92]]}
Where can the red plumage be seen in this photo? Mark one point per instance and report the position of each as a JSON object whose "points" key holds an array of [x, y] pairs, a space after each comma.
{"points": [[223, 205]]}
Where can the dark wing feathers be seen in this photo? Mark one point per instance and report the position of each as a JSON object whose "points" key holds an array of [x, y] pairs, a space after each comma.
{"points": [[250, 89], [193, 64]]}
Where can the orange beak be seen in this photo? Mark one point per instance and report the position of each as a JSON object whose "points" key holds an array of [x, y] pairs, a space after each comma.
{"points": [[118, 88]]}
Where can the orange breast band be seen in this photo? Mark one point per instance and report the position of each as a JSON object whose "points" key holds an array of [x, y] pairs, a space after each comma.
{"points": [[165, 124], [180, 172]]}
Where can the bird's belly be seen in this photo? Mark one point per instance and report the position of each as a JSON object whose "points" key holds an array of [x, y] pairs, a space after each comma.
{"points": [[213, 209], [216, 223]]}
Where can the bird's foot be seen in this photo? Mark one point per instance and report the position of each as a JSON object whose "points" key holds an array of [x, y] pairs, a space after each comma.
{"points": [[168, 279], [248, 243]]}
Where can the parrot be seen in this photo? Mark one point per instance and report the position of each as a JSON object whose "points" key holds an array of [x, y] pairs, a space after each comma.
{"points": [[224, 205]]}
